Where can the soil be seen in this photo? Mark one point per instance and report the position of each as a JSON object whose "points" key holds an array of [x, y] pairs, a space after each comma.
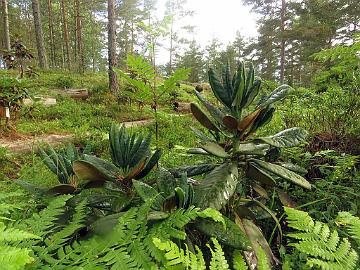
{"points": [[26, 144], [20, 143]]}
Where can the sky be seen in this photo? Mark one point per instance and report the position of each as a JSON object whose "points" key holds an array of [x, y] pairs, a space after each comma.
{"points": [[218, 19]]}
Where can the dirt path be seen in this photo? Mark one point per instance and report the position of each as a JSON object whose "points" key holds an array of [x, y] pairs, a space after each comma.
{"points": [[25, 144]]}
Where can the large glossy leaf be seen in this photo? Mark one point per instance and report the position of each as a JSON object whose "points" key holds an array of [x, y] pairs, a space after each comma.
{"points": [[135, 157], [276, 95], [215, 149], [254, 172], [150, 165], [248, 120], [212, 109], [96, 169], [147, 192], [283, 173], [239, 86], [286, 138], [230, 122], [191, 170], [256, 238], [62, 189], [133, 172], [252, 149], [264, 117], [285, 199], [200, 135], [252, 93], [221, 94], [230, 234], [226, 77], [197, 151], [217, 187], [166, 182], [30, 187], [202, 117], [293, 167]]}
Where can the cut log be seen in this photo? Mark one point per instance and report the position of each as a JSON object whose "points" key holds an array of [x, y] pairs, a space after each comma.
{"points": [[77, 93]]}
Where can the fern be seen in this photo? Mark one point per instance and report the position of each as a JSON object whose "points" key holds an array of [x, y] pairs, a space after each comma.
{"points": [[172, 227], [263, 262], [238, 261], [58, 239], [12, 257], [351, 224], [45, 222], [218, 260], [178, 258], [323, 247]]}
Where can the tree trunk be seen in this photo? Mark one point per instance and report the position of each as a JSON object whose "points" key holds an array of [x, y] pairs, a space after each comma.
{"points": [[79, 44], [51, 34], [282, 48], [171, 47], [39, 34], [66, 34], [113, 82], [5, 14]]}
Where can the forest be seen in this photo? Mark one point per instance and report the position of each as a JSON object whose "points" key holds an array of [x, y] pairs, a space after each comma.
{"points": [[180, 134]]}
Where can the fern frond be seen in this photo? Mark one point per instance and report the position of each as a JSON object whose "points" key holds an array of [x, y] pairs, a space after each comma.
{"points": [[172, 227], [13, 235], [218, 260], [119, 259], [238, 261], [323, 247], [58, 239], [299, 220], [13, 258], [177, 258], [213, 214], [263, 262], [351, 224], [45, 222]]}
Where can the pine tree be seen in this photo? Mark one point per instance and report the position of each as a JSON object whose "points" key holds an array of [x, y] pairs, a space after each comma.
{"points": [[113, 82], [39, 34]]}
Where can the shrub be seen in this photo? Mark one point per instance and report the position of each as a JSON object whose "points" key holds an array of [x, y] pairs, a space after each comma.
{"points": [[64, 82]]}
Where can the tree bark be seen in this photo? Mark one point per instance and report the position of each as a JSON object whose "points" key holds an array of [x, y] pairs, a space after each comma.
{"points": [[51, 34], [171, 47], [113, 82], [5, 14], [282, 46], [39, 34], [79, 44], [66, 34]]}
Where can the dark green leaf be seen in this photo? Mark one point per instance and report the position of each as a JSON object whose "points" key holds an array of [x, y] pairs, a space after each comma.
{"points": [[150, 165], [217, 187], [220, 93], [191, 170], [278, 94], [230, 234], [202, 117], [283, 173], [215, 149], [286, 138]]}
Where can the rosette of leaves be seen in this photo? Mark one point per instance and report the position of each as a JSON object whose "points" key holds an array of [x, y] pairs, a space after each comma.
{"points": [[130, 155], [247, 163], [60, 162]]}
